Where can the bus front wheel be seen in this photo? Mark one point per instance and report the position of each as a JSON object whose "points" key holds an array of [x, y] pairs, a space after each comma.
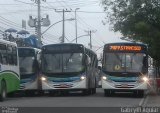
{"points": [[107, 92], [141, 93], [85, 92], [3, 91]]}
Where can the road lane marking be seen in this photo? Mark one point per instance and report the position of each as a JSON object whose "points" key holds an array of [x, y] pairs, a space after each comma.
{"points": [[143, 101]]}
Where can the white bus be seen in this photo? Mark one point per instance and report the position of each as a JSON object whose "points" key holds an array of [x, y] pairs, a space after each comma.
{"points": [[9, 69], [125, 68], [29, 60], [68, 67]]}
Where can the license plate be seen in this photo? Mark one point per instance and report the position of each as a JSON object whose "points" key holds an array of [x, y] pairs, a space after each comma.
{"points": [[124, 85]]}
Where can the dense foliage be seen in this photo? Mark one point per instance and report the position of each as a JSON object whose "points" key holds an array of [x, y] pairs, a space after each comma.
{"points": [[136, 19]]}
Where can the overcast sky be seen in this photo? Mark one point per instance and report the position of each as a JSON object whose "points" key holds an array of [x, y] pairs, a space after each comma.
{"points": [[89, 17]]}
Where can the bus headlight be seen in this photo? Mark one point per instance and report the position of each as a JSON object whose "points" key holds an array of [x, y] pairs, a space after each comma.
{"points": [[145, 79], [43, 78], [104, 78], [82, 77]]}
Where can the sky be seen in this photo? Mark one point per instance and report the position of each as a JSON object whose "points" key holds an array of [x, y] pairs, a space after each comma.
{"points": [[90, 16]]}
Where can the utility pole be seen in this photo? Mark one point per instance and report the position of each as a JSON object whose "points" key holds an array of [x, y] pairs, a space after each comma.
{"points": [[38, 22], [63, 24], [90, 36]]}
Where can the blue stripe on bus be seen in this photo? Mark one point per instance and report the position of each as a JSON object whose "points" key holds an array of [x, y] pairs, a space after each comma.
{"points": [[30, 79], [67, 79], [122, 79]]}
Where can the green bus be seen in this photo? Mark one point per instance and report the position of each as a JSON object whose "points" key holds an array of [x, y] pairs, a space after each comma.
{"points": [[9, 69]]}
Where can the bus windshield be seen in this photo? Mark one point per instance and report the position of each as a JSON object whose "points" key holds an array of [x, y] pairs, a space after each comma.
{"points": [[62, 62], [124, 62], [26, 65], [26, 60]]}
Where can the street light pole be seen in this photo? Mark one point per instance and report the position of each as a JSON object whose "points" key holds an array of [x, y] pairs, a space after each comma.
{"points": [[39, 20], [76, 22], [57, 23], [90, 34], [63, 25], [79, 37]]}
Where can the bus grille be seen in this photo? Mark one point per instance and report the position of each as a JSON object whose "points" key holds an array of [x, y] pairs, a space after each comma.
{"points": [[63, 85], [124, 85], [22, 87]]}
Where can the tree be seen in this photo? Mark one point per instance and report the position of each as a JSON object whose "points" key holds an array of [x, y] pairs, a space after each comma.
{"points": [[136, 19]]}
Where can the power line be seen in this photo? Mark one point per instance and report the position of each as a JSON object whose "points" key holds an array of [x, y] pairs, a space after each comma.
{"points": [[86, 24], [10, 22], [24, 2], [91, 12], [58, 13], [72, 15]]}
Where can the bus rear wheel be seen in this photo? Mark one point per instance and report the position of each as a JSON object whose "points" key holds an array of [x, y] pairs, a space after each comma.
{"points": [[3, 94]]}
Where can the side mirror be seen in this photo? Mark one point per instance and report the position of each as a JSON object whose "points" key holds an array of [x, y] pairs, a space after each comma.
{"points": [[88, 60], [99, 67]]}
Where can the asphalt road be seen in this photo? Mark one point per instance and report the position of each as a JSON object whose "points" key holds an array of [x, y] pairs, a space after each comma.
{"points": [[76, 100], [77, 103]]}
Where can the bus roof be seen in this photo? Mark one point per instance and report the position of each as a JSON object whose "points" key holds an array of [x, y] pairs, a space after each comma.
{"points": [[62, 44], [7, 42], [29, 48]]}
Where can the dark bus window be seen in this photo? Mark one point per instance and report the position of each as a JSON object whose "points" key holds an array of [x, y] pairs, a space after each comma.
{"points": [[4, 59], [10, 55], [3, 51], [3, 48], [14, 55]]}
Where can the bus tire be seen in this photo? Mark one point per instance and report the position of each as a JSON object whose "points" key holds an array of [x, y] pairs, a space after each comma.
{"points": [[85, 92], [3, 91], [93, 90], [64, 93], [29, 93], [40, 93], [107, 93], [12, 94], [140, 93]]}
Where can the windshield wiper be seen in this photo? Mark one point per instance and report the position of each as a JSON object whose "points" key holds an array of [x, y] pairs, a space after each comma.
{"points": [[118, 58], [67, 61]]}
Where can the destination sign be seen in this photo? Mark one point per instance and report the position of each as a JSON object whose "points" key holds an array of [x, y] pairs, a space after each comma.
{"points": [[125, 48]]}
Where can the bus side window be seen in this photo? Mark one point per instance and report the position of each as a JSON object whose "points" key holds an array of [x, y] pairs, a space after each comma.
{"points": [[10, 55], [3, 49], [14, 55], [4, 59]]}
